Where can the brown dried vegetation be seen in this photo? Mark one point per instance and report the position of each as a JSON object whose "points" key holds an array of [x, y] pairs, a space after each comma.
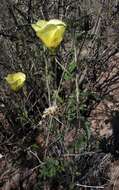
{"points": [[80, 155]]}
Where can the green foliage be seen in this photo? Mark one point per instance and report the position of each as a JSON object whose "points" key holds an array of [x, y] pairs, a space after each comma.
{"points": [[72, 104], [34, 147], [70, 71], [71, 107], [51, 80], [82, 140], [87, 129], [50, 168]]}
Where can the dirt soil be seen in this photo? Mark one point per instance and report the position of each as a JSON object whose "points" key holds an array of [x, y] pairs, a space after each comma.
{"points": [[19, 165]]}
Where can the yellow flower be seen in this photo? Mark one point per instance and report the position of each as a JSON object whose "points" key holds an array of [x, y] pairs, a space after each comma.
{"points": [[50, 32], [16, 80]]}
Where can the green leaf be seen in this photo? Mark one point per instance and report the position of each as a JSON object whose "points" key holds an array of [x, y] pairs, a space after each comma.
{"points": [[69, 73], [87, 129]]}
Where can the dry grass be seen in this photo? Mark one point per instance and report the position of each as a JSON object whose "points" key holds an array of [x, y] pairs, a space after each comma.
{"points": [[45, 131]]}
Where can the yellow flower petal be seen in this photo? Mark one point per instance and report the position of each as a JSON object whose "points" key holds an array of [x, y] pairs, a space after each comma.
{"points": [[57, 37], [16, 80], [50, 32], [57, 22], [39, 25], [46, 35]]}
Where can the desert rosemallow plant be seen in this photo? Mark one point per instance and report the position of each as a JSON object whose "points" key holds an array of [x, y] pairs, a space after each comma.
{"points": [[16, 80], [51, 32]]}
